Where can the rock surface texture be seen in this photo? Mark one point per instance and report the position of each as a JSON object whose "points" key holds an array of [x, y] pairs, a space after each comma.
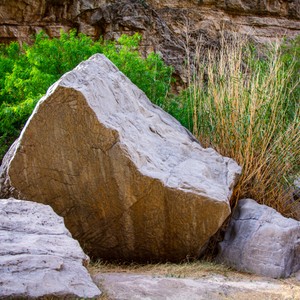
{"points": [[163, 24], [38, 256], [262, 241], [209, 286], [130, 181]]}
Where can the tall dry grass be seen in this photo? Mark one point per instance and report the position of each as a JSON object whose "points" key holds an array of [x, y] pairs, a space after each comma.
{"points": [[244, 106]]}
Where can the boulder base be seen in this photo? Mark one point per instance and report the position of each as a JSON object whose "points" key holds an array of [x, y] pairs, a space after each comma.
{"points": [[130, 181], [38, 256], [261, 241]]}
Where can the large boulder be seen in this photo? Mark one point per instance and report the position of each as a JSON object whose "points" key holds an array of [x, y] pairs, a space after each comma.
{"points": [[38, 256], [130, 181], [262, 241]]}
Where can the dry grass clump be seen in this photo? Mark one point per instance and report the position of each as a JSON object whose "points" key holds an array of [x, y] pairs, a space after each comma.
{"points": [[196, 269], [245, 106]]}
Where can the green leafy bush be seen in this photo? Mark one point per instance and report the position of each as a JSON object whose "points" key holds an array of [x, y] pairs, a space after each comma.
{"points": [[26, 73]]}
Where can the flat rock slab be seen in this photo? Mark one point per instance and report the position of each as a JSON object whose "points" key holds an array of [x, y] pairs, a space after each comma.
{"points": [[262, 241], [119, 286], [129, 180], [38, 256]]}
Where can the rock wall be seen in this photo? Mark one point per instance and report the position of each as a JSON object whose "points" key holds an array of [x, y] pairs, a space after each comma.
{"points": [[163, 23]]}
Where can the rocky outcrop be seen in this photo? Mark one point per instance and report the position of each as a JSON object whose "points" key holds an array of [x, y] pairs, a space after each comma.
{"points": [[163, 24], [130, 181], [38, 256], [262, 241]]}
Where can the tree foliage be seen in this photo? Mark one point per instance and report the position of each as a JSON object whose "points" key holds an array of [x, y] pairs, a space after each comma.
{"points": [[27, 72]]}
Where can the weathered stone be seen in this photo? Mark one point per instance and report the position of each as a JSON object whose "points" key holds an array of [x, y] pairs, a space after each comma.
{"points": [[38, 256], [262, 241], [163, 24], [130, 181], [208, 286], [296, 188]]}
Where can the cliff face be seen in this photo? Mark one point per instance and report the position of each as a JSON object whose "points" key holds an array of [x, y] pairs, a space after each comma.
{"points": [[163, 23]]}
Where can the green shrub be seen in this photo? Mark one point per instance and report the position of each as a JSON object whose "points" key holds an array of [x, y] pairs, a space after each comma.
{"points": [[26, 73], [290, 56]]}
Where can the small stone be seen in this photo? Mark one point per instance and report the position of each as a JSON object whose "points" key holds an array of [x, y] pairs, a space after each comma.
{"points": [[38, 256], [260, 240]]}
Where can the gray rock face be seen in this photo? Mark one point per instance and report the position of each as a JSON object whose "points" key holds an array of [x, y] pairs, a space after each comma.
{"points": [[209, 286], [262, 241], [38, 256], [130, 181], [163, 24]]}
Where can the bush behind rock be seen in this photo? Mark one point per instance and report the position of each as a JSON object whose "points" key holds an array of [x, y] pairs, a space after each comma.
{"points": [[26, 72]]}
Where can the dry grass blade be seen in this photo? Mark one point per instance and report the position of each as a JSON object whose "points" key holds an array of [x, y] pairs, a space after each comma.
{"points": [[243, 106], [196, 269]]}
